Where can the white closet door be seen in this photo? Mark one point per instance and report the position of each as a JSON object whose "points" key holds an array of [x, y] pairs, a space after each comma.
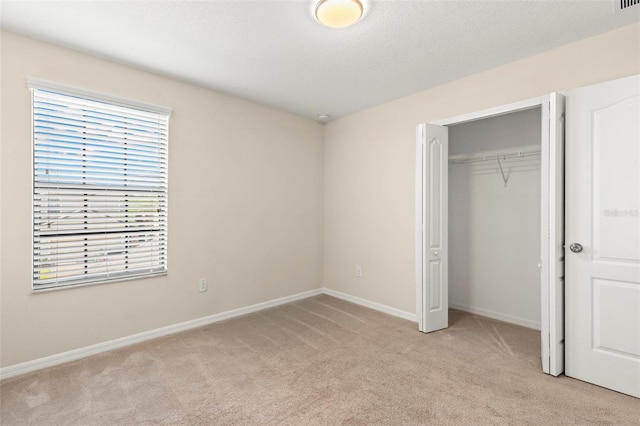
{"points": [[432, 243], [603, 235], [552, 236]]}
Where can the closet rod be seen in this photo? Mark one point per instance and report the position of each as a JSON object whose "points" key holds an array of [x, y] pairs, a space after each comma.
{"points": [[466, 159]]}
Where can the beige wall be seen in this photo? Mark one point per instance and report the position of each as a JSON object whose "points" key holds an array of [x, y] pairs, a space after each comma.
{"points": [[370, 159], [245, 208]]}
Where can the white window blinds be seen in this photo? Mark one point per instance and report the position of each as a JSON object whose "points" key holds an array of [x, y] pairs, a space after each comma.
{"points": [[99, 191]]}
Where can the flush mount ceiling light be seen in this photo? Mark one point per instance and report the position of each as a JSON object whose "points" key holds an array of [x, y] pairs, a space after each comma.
{"points": [[338, 13]]}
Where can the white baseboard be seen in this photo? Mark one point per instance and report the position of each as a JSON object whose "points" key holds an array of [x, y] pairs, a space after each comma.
{"points": [[75, 354], [496, 315], [372, 305]]}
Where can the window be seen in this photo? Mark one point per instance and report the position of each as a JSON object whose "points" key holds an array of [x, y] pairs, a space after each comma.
{"points": [[99, 189]]}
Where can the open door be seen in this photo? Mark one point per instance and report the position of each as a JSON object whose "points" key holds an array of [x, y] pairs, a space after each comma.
{"points": [[603, 235], [431, 222], [552, 236]]}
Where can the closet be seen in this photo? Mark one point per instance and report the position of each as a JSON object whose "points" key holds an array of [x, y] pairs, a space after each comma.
{"points": [[494, 217], [490, 219]]}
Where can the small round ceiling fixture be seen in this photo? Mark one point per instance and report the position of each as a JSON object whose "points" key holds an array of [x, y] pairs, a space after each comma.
{"points": [[324, 117], [338, 13]]}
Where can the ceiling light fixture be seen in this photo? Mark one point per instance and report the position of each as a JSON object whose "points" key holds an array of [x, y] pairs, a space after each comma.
{"points": [[338, 13]]}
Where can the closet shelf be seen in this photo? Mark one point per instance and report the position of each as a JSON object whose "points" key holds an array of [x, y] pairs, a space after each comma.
{"points": [[496, 156]]}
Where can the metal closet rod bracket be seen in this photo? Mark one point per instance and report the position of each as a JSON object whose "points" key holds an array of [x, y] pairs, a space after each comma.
{"points": [[505, 178]]}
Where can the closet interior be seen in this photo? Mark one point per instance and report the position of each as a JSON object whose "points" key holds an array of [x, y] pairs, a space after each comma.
{"points": [[494, 217]]}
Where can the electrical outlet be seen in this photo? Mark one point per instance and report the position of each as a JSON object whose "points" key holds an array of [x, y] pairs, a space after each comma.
{"points": [[358, 271], [202, 285]]}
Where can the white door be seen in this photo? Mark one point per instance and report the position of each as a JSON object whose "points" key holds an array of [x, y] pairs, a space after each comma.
{"points": [[552, 235], [431, 221], [603, 235]]}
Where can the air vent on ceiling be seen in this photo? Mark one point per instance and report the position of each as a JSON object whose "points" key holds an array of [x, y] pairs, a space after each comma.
{"points": [[628, 3]]}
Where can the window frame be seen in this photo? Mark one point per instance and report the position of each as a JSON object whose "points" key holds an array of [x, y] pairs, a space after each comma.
{"points": [[35, 84]]}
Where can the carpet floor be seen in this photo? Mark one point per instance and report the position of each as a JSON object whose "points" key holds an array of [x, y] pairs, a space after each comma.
{"points": [[317, 361]]}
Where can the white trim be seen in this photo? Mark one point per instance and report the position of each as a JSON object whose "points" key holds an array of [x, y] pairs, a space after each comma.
{"points": [[371, 305], [496, 315], [75, 354], [555, 241], [38, 83], [493, 112], [420, 172], [545, 284]]}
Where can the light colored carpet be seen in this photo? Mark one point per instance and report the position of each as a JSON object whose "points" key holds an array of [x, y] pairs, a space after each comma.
{"points": [[317, 361]]}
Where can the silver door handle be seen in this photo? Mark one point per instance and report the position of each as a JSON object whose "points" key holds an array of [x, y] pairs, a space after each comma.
{"points": [[575, 247]]}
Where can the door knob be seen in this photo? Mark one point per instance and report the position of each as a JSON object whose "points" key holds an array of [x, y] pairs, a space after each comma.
{"points": [[576, 247]]}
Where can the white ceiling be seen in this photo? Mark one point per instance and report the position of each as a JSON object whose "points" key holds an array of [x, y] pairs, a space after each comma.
{"points": [[274, 52]]}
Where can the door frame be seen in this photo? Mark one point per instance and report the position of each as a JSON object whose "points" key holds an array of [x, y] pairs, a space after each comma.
{"points": [[552, 309]]}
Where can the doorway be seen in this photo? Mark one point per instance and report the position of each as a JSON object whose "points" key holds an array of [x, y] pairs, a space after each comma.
{"points": [[434, 216], [494, 217]]}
